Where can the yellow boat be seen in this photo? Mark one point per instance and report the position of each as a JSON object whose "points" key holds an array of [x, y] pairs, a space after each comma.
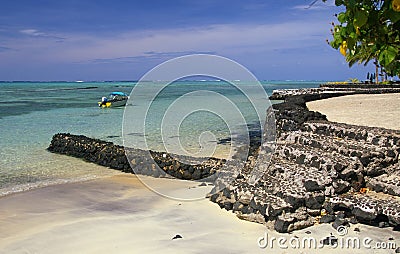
{"points": [[115, 99]]}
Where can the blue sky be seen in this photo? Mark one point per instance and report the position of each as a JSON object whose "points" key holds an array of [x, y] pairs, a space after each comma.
{"points": [[122, 40]]}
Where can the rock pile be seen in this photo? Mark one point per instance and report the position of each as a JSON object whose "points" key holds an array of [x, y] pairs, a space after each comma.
{"points": [[321, 172], [291, 114], [143, 162]]}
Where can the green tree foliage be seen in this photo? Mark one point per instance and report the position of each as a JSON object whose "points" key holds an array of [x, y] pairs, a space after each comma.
{"points": [[369, 30]]}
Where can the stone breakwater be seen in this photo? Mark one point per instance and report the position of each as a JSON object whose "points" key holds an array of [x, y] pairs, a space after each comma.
{"points": [[360, 85], [330, 91], [321, 172], [113, 156]]}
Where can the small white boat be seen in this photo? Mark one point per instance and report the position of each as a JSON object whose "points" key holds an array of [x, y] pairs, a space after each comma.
{"points": [[114, 99]]}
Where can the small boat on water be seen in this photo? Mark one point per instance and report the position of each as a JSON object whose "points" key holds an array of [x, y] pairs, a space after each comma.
{"points": [[114, 99]]}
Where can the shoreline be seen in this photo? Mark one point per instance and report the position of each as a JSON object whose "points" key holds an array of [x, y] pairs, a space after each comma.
{"points": [[118, 214], [312, 105]]}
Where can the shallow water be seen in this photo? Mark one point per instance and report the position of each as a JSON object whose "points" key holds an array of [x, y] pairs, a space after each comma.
{"points": [[31, 113]]}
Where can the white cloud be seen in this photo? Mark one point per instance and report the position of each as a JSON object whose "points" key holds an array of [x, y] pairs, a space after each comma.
{"points": [[39, 34], [223, 39], [32, 32]]}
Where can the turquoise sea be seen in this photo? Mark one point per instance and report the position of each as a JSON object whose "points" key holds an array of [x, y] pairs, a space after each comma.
{"points": [[32, 112]]}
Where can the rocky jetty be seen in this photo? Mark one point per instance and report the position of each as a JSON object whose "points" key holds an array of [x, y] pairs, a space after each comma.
{"points": [[321, 172], [330, 91], [114, 156], [360, 85]]}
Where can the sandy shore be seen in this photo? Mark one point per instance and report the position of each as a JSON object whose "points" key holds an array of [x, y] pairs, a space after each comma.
{"points": [[375, 110], [119, 215]]}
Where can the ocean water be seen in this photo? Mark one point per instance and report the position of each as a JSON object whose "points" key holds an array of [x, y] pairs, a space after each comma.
{"points": [[32, 112]]}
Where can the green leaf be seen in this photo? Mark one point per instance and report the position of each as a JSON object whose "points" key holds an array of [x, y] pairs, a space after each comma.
{"points": [[388, 55], [393, 16], [338, 2], [342, 17], [351, 43], [391, 53], [343, 32], [381, 58], [360, 18], [337, 37]]}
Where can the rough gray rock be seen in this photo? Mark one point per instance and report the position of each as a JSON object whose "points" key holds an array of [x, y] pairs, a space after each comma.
{"points": [[367, 208], [327, 218], [318, 164], [157, 164]]}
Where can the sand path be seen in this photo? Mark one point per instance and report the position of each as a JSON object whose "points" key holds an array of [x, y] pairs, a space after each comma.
{"points": [[375, 110]]}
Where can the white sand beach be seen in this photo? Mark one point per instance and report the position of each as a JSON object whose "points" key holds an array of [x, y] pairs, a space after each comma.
{"points": [[119, 215], [375, 110]]}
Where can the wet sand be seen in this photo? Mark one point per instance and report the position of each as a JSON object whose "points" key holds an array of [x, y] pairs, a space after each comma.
{"points": [[120, 215], [375, 110]]}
